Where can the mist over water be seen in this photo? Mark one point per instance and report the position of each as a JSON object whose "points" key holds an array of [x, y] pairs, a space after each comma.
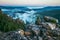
{"points": [[28, 14]]}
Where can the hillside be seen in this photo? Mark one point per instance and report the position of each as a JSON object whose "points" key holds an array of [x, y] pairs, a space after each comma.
{"points": [[8, 24]]}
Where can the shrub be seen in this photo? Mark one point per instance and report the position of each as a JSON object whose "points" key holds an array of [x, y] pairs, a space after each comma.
{"points": [[50, 19], [8, 24], [38, 20]]}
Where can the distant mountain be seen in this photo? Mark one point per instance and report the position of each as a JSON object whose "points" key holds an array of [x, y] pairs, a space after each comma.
{"points": [[47, 8], [12, 7]]}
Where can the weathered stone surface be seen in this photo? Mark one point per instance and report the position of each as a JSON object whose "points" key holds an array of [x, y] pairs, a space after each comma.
{"points": [[43, 31], [50, 19], [48, 25]]}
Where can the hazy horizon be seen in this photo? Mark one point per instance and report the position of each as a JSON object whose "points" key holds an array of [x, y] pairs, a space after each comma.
{"points": [[29, 2]]}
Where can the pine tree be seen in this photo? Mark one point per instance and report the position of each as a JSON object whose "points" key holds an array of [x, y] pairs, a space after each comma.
{"points": [[38, 20]]}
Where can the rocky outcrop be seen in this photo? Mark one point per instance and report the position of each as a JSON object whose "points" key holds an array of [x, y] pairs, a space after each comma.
{"points": [[45, 30], [48, 25], [50, 19]]}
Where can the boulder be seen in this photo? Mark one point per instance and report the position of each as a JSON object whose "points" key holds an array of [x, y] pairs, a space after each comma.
{"points": [[27, 33], [48, 25], [51, 25], [10, 36], [21, 32], [50, 19], [36, 30], [56, 31]]}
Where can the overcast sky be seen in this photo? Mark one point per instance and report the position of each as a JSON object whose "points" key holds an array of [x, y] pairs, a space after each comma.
{"points": [[30, 2]]}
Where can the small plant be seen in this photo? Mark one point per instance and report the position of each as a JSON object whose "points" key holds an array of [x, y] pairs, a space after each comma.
{"points": [[50, 19], [38, 20]]}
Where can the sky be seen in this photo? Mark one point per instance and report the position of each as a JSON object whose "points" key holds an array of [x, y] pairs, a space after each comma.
{"points": [[30, 2]]}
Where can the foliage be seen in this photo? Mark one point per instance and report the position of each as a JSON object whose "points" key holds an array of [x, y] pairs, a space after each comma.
{"points": [[38, 20], [53, 21], [8, 24], [58, 25], [50, 19]]}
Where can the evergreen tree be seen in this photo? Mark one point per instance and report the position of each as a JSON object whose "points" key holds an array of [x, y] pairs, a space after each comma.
{"points": [[38, 20]]}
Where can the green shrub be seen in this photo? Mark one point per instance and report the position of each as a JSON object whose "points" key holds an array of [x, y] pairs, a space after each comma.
{"points": [[38, 20], [53, 21], [50, 19], [8, 24]]}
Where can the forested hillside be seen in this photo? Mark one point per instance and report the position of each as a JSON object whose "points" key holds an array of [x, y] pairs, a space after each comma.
{"points": [[9, 24]]}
